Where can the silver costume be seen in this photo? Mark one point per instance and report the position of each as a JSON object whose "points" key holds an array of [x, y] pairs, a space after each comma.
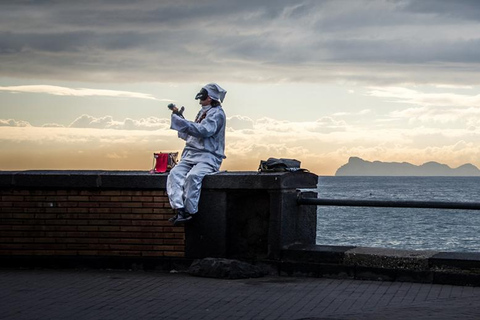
{"points": [[203, 153]]}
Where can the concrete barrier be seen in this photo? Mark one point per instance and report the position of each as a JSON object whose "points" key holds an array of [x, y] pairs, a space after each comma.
{"points": [[107, 219]]}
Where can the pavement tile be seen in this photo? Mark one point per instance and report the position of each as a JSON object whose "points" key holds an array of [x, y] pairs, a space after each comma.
{"points": [[110, 294]]}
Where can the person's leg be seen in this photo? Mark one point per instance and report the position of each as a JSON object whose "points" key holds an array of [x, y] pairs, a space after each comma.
{"points": [[193, 185], [175, 184]]}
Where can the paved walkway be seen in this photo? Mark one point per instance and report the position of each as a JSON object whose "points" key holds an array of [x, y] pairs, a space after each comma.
{"points": [[93, 294]]}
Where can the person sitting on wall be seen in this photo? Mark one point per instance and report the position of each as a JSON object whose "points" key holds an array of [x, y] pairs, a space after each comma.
{"points": [[203, 153]]}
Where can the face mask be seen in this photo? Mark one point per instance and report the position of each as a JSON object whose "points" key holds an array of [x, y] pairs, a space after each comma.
{"points": [[202, 95]]}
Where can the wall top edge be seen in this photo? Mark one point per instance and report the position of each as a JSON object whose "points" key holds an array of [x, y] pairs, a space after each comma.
{"points": [[104, 179]]}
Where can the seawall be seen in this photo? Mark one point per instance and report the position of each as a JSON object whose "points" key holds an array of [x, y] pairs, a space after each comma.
{"points": [[119, 219]]}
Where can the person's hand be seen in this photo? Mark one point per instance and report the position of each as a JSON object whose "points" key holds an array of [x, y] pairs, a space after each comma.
{"points": [[175, 110], [172, 107]]}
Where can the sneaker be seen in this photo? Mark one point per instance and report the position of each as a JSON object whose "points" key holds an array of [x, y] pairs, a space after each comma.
{"points": [[175, 217], [183, 217], [172, 219]]}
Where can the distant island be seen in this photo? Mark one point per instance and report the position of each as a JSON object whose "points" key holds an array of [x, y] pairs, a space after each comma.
{"points": [[359, 167]]}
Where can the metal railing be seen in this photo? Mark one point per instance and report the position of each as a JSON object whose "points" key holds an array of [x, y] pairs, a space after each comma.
{"points": [[302, 200]]}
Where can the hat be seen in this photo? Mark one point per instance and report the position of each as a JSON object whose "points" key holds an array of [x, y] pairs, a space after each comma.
{"points": [[213, 90]]}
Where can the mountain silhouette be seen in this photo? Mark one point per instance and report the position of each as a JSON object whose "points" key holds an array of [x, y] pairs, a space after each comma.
{"points": [[359, 167]]}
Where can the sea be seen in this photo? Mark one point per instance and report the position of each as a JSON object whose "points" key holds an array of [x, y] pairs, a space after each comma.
{"points": [[400, 228]]}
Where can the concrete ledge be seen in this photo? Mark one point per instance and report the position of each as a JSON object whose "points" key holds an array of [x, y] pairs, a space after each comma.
{"points": [[456, 260], [143, 180], [388, 258], [316, 254], [382, 264]]}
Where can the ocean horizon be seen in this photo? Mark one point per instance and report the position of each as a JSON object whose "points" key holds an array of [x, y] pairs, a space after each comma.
{"points": [[400, 228]]}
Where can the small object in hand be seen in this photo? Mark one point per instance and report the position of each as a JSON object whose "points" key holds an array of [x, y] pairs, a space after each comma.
{"points": [[175, 110]]}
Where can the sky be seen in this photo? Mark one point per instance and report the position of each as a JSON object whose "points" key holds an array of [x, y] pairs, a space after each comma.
{"points": [[84, 85]]}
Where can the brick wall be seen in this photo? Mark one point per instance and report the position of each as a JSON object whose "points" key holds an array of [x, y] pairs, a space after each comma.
{"points": [[120, 218], [88, 223]]}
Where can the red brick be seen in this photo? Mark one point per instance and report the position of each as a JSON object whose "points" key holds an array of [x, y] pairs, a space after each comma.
{"points": [[55, 210], [56, 234], [87, 228], [45, 215], [99, 210], [24, 204], [22, 216], [71, 192], [174, 229], [89, 246], [64, 252], [142, 210], [163, 248], [88, 252], [100, 198], [76, 240], [89, 204], [151, 193], [42, 192], [121, 199], [174, 241], [35, 198], [34, 210], [66, 205], [142, 199], [150, 205], [174, 254], [130, 204], [13, 198], [78, 198], [44, 240], [153, 216], [89, 192], [19, 192], [141, 229], [111, 193], [79, 210], [164, 211], [152, 253]]}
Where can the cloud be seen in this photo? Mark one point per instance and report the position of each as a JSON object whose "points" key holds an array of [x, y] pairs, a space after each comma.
{"points": [[240, 123], [468, 115], [431, 107], [77, 92], [410, 96], [14, 123], [107, 122], [458, 10], [171, 41], [53, 125], [104, 143]]}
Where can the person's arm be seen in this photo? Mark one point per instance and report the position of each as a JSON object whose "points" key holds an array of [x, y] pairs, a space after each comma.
{"points": [[204, 129]]}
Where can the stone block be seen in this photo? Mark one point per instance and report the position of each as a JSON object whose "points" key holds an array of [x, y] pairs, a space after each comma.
{"points": [[456, 260], [388, 258], [316, 253]]}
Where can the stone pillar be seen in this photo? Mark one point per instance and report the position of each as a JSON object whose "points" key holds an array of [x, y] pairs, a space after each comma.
{"points": [[248, 215]]}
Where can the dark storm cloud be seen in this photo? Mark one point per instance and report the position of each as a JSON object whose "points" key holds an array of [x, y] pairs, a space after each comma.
{"points": [[458, 9], [249, 40]]}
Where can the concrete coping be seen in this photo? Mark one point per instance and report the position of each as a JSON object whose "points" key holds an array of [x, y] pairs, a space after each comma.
{"points": [[145, 180], [384, 258]]}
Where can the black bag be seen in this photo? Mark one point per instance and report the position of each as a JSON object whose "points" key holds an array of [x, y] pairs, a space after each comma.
{"points": [[279, 165]]}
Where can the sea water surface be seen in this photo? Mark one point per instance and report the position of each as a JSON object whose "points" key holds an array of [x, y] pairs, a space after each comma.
{"points": [[400, 228]]}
